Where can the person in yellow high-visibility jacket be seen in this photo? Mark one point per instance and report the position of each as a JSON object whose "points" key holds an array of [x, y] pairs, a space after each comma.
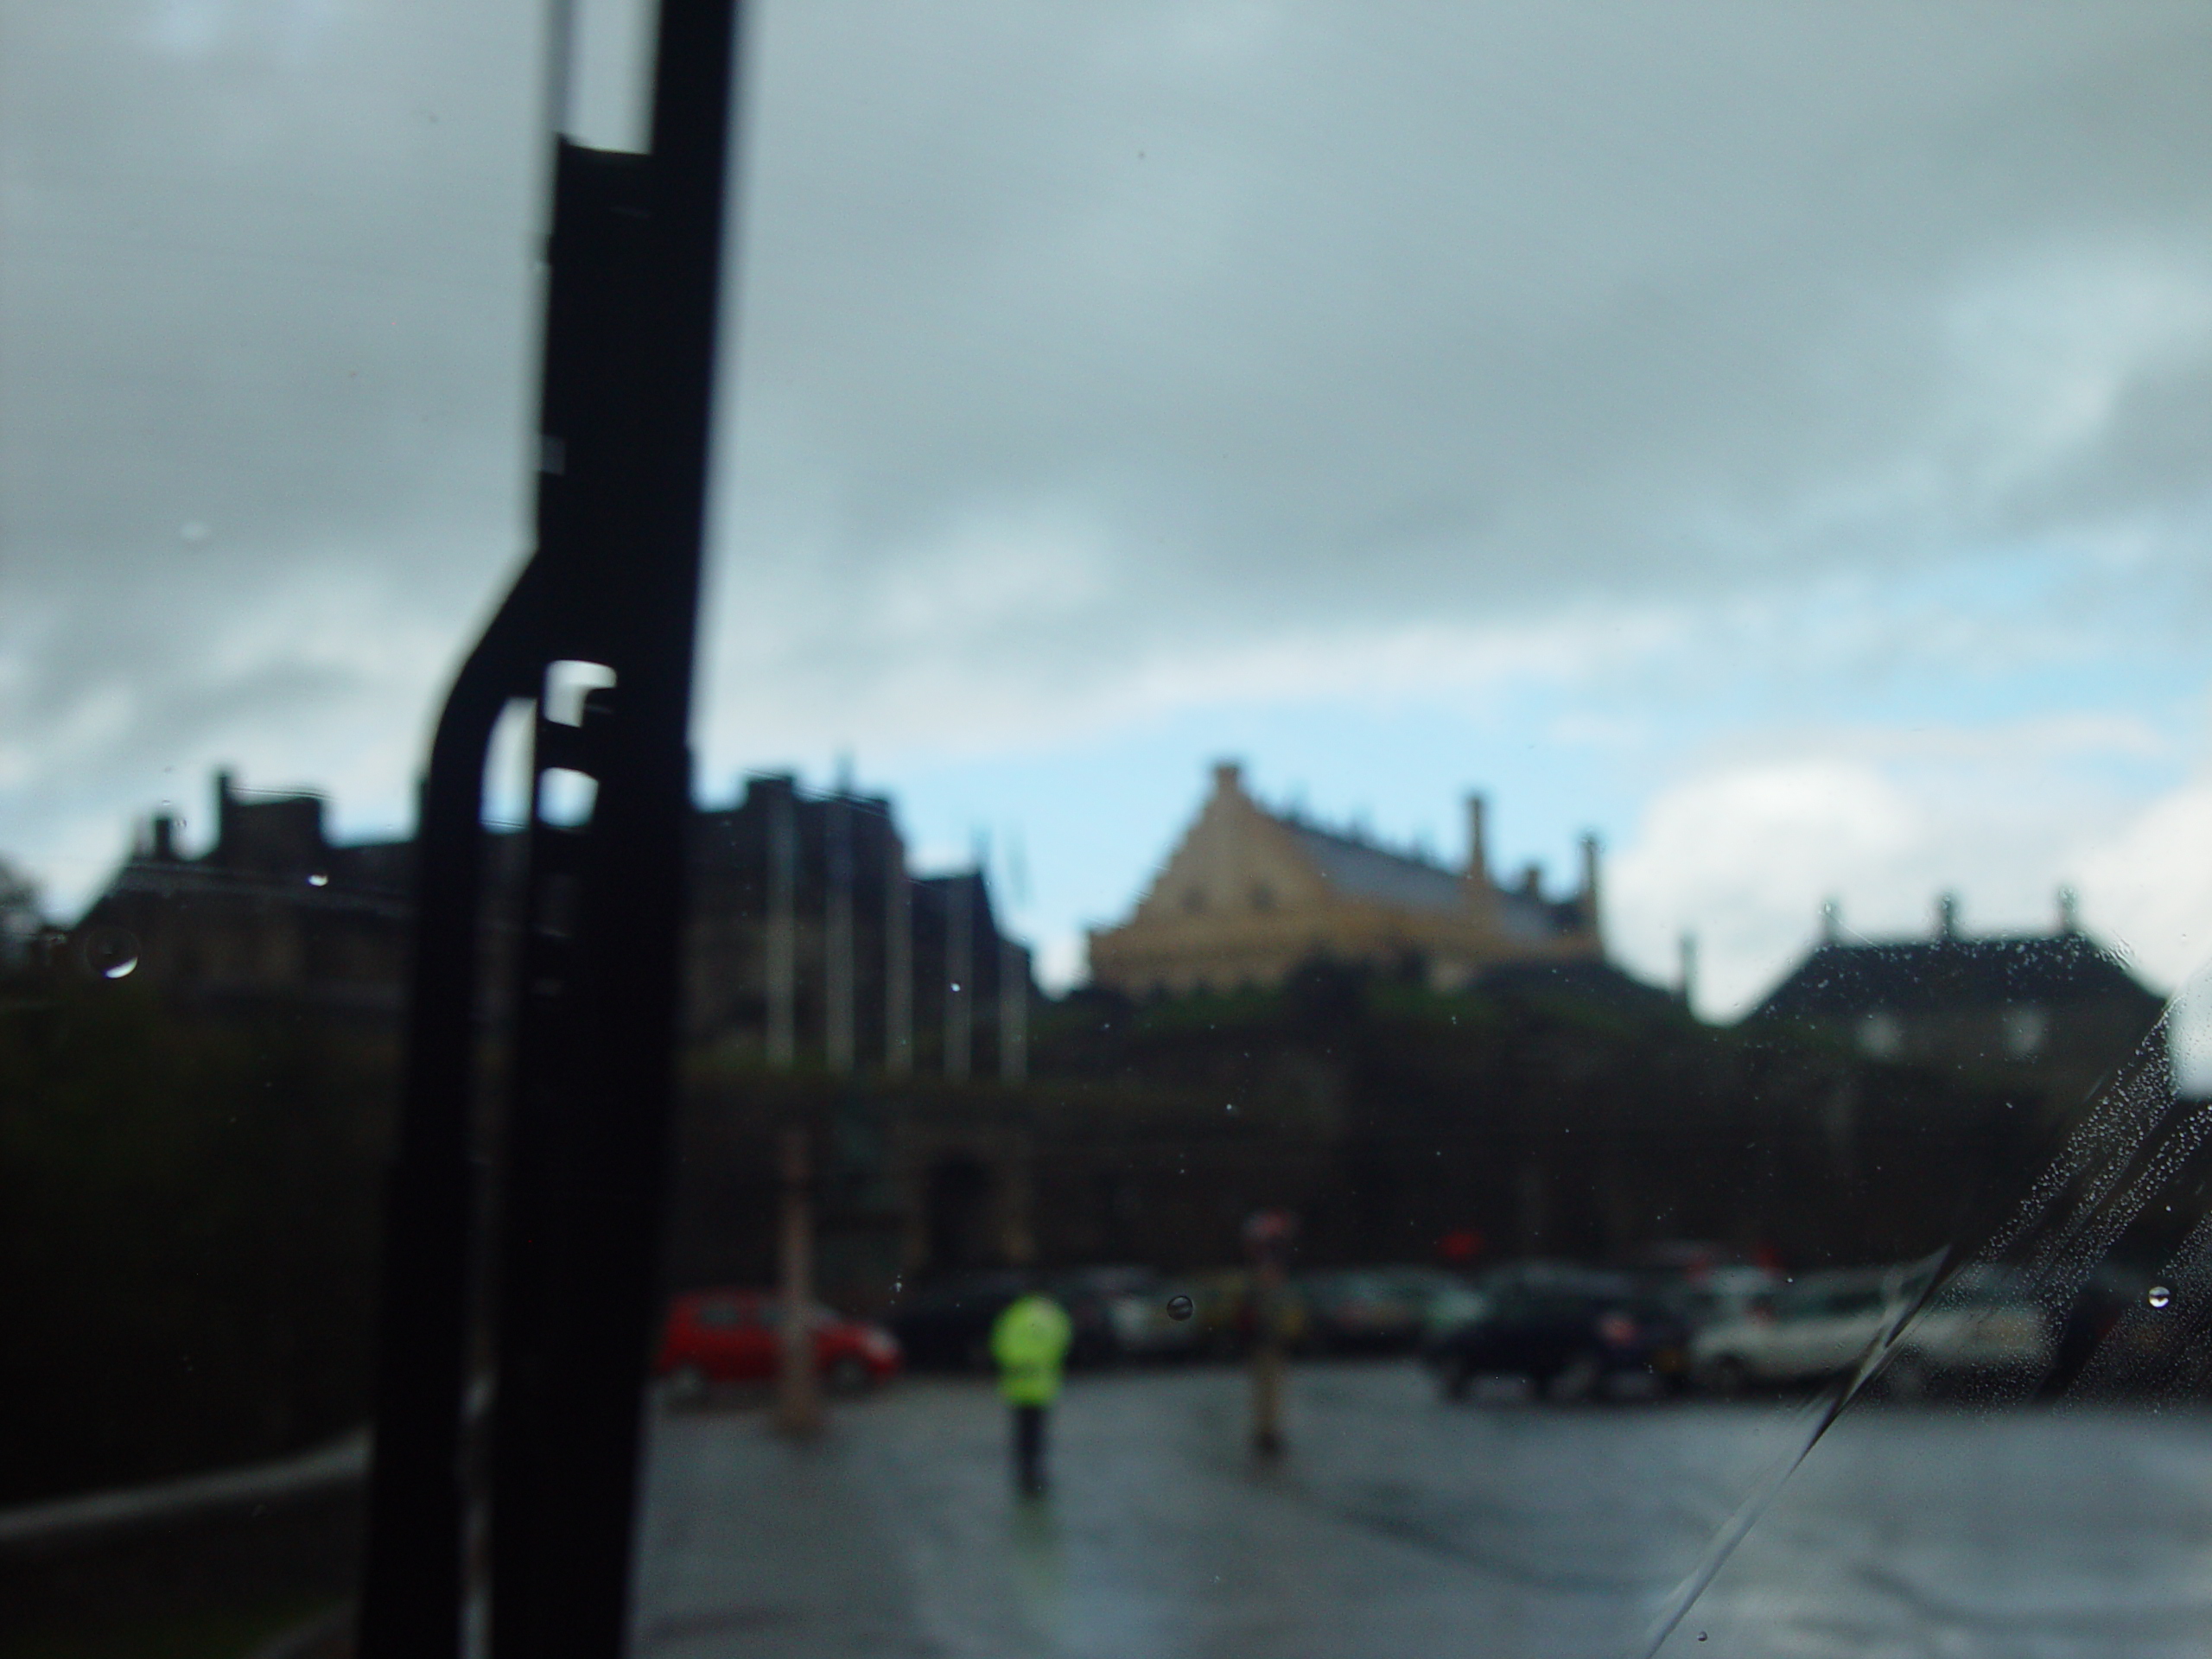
{"points": [[1029, 1341]]}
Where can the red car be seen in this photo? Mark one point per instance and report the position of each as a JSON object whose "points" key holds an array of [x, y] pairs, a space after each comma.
{"points": [[732, 1336]]}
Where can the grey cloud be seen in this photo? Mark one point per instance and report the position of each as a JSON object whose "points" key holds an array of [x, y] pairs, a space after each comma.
{"points": [[1280, 317], [1369, 286]]}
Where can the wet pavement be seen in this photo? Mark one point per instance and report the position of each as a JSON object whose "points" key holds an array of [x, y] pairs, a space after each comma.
{"points": [[1401, 1525]]}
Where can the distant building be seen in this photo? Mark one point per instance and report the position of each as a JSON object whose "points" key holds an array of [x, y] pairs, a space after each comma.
{"points": [[2049, 1014], [806, 936], [271, 912], [1249, 894]]}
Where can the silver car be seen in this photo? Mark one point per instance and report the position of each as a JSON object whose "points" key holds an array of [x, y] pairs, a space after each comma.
{"points": [[1824, 1325]]}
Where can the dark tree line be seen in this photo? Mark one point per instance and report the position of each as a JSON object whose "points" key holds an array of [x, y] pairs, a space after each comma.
{"points": [[187, 1233], [189, 1204]]}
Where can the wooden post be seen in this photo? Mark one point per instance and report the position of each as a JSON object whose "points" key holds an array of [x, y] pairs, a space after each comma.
{"points": [[798, 1396]]}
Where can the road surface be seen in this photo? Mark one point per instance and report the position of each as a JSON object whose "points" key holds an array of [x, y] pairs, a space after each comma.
{"points": [[1400, 1525]]}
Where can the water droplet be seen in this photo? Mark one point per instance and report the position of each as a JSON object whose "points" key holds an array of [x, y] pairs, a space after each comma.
{"points": [[2158, 1296], [956, 984], [1230, 1106], [1179, 1307], [110, 952], [1700, 1636], [318, 879]]}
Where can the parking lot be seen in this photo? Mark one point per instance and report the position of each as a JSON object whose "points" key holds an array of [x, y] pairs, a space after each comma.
{"points": [[1399, 1524]]}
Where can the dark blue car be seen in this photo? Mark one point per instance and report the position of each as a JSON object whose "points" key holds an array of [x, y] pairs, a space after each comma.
{"points": [[1571, 1332]]}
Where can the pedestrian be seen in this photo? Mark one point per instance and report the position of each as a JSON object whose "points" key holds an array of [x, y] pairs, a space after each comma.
{"points": [[1028, 1342]]}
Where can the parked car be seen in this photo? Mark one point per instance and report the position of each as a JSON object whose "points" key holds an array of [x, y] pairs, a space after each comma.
{"points": [[1820, 1327], [1090, 1298], [1811, 1329], [1717, 1294], [946, 1325], [1121, 1313], [1114, 1313], [2098, 1311], [1979, 1326], [1572, 1333], [1375, 1310], [736, 1336]]}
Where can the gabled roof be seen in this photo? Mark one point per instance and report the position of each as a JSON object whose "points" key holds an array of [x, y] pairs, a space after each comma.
{"points": [[1361, 871], [1934, 976]]}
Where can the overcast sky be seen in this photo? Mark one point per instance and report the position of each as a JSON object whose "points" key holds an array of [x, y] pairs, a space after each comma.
{"points": [[1775, 437]]}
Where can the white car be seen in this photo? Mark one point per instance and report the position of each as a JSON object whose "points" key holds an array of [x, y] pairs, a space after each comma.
{"points": [[1821, 1327]]}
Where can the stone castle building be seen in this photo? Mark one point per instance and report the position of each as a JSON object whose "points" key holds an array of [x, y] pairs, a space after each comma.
{"points": [[272, 914], [2046, 1016], [1249, 893], [807, 940], [809, 935]]}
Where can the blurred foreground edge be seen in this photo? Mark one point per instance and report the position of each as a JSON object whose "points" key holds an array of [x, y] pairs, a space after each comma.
{"points": [[626, 397]]}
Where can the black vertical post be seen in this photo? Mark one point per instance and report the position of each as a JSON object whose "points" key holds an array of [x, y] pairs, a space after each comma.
{"points": [[628, 381], [412, 1580]]}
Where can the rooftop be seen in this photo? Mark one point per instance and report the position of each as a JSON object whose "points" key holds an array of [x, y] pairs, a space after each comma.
{"points": [[1928, 975]]}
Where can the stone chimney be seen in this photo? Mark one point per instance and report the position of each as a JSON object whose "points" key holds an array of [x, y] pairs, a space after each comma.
{"points": [[224, 848], [1227, 778], [1831, 922], [1532, 880], [2069, 911], [1589, 894], [164, 838], [1477, 841], [1946, 916]]}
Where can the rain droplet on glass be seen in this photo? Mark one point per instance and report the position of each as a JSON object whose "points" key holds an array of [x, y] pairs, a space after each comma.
{"points": [[110, 952], [1179, 1307], [956, 984], [2158, 1296], [318, 879]]}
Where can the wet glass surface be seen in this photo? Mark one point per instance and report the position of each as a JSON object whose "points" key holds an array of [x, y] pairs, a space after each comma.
{"points": [[1448, 839]]}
